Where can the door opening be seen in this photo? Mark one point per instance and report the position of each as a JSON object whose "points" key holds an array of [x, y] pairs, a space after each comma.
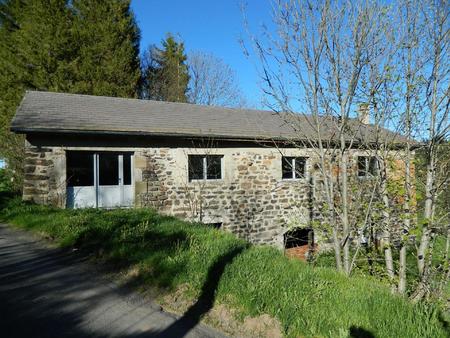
{"points": [[99, 179], [299, 243]]}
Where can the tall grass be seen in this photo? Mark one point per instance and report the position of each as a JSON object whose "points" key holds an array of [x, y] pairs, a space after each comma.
{"points": [[308, 301]]}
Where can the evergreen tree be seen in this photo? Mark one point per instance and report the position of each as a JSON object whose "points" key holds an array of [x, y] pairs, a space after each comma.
{"points": [[10, 90], [107, 62], [35, 47], [165, 73], [88, 47]]}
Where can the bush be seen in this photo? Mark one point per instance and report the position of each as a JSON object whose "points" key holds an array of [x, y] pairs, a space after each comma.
{"points": [[6, 185], [308, 301]]}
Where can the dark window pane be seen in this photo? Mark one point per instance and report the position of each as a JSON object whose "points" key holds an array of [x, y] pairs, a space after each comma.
{"points": [[300, 164], [126, 169], [108, 169], [195, 164], [287, 167], [362, 166], [80, 169], [373, 166], [214, 167]]}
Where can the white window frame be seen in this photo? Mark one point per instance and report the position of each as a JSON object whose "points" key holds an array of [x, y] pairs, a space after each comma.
{"points": [[367, 160], [96, 178], [205, 168], [293, 165]]}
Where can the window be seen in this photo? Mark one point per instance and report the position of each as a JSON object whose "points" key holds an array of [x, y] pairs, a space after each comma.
{"points": [[108, 169], [127, 169], [205, 167], [293, 167], [367, 166], [80, 169]]}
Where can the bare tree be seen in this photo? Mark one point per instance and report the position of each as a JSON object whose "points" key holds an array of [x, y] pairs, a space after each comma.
{"points": [[325, 58], [415, 92], [436, 75], [213, 82], [312, 62], [410, 64]]}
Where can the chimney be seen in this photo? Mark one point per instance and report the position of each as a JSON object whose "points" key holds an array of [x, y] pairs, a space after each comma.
{"points": [[364, 113]]}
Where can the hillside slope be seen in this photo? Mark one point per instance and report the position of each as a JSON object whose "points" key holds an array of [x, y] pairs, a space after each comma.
{"points": [[213, 267]]}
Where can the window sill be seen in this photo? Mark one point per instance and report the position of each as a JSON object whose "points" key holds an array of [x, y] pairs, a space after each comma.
{"points": [[212, 181], [369, 177], [302, 179]]}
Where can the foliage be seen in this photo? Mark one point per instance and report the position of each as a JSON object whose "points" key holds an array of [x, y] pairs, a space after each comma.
{"points": [[169, 253], [88, 47], [165, 75], [213, 82], [6, 185], [107, 61]]}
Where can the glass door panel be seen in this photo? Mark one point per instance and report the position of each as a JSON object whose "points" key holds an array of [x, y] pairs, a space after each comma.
{"points": [[80, 178], [99, 179], [108, 169]]}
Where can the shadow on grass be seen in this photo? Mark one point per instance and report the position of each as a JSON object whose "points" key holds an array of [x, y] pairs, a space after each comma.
{"points": [[152, 250], [445, 322], [359, 332], [205, 302]]}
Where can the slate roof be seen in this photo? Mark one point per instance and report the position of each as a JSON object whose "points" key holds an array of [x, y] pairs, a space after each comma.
{"points": [[59, 112]]}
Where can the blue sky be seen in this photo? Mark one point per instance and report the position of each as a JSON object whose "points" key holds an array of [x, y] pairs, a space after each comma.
{"points": [[213, 26]]}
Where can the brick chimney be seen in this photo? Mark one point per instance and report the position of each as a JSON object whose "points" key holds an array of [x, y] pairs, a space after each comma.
{"points": [[364, 113]]}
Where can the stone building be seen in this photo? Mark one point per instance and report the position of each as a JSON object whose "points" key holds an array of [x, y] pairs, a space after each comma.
{"points": [[229, 168]]}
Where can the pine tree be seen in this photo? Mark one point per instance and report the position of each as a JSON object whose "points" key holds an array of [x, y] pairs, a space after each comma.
{"points": [[10, 89], [88, 47], [107, 62], [35, 47], [165, 73]]}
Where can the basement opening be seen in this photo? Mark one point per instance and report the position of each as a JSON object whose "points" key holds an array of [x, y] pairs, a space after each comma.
{"points": [[216, 225], [299, 243]]}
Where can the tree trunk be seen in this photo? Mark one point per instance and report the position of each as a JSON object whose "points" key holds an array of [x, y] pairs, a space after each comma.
{"points": [[402, 270], [406, 224], [329, 188], [423, 288], [386, 240], [345, 224], [428, 215], [337, 250]]}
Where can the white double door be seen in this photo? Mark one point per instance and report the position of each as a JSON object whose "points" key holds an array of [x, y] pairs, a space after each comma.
{"points": [[99, 179]]}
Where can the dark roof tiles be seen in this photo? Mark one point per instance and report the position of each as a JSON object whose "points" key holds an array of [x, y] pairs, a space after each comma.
{"points": [[60, 112]]}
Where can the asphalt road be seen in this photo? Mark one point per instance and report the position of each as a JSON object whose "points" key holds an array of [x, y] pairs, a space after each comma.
{"points": [[45, 292]]}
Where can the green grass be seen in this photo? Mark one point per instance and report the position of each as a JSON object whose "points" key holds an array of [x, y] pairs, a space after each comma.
{"points": [[377, 268], [308, 301]]}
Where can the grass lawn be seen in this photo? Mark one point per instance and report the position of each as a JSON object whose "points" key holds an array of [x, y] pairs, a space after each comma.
{"points": [[308, 301]]}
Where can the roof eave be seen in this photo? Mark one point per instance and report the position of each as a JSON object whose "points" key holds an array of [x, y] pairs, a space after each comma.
{"points": [[23, 130], [265, 139]]}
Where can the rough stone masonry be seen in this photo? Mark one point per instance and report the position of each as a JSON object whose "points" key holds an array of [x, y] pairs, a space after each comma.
{"points": [[251, 199]]}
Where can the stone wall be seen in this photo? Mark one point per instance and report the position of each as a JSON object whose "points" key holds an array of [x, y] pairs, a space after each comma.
{"points": [[45, 172], [251, 200]]}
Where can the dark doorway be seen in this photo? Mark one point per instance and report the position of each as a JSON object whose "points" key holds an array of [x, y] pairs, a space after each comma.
{"points": [[299, 243], [298, 237]]}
